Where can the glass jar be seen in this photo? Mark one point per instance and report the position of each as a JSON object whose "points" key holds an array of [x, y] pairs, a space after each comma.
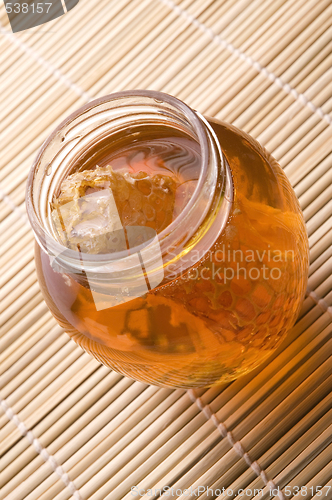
{"points": [[213, 294]]}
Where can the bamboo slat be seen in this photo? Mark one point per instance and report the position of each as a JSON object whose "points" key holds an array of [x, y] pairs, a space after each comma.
{"points": [[103, 433]]}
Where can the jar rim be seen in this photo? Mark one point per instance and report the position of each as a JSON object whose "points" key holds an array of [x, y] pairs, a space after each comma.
{"points": [[195, 120]]}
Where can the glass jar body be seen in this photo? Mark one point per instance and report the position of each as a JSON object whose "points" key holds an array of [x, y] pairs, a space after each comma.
{"points": [[231, 306]]}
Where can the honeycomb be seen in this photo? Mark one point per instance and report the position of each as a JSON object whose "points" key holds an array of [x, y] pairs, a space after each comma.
{"points": [[93, 205]]}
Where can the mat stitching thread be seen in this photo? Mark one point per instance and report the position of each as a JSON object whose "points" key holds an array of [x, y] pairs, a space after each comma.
{"points": [[46, 64], [253, 63], [25, 432], [13, 206], [320, 302], [64, 6], [236, 445]]}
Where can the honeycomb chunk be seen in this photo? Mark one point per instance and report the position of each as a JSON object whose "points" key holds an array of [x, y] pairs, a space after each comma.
{"points": [[94, 205]]}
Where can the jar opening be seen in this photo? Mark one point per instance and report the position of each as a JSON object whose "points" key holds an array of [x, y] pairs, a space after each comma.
{"points": [[81, 141]]}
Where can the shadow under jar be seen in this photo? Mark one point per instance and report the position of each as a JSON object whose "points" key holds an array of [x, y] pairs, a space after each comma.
{"points": [[204, 288]]}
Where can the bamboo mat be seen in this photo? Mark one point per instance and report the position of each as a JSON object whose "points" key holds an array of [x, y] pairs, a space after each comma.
{"points": [[71, 428]]}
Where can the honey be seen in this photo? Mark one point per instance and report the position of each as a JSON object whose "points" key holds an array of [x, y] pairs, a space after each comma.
{"points": [[226, 300]]}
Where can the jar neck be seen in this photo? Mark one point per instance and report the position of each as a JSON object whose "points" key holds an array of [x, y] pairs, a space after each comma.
{"points": [[195, 227]]}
